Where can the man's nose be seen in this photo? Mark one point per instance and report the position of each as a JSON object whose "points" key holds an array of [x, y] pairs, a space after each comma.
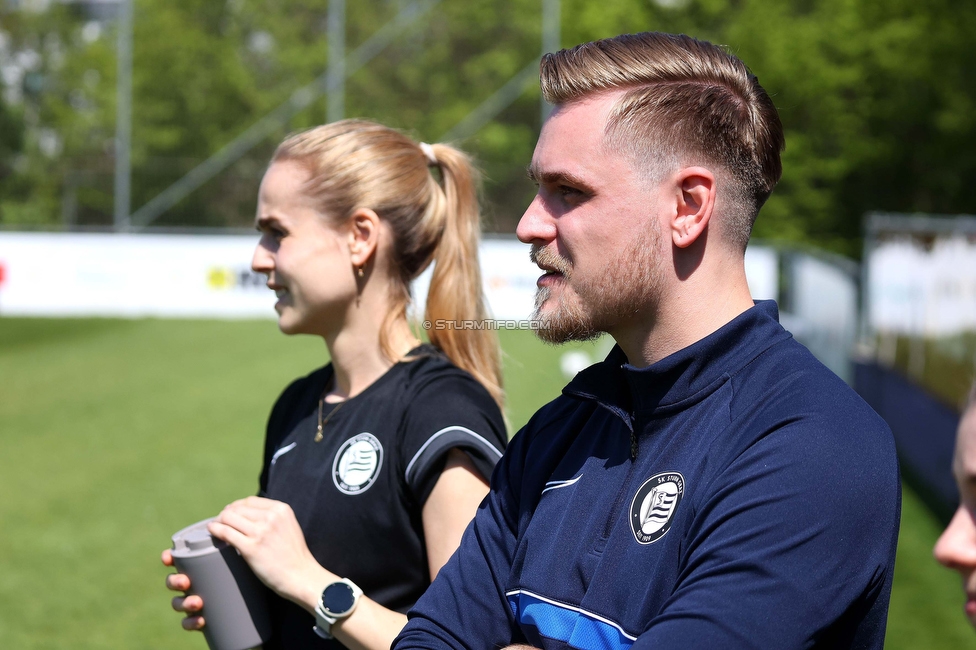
{"points": [[537, 224]]}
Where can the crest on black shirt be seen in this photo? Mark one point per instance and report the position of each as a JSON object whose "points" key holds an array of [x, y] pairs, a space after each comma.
{"points": [[654, 505], [357, 463]]}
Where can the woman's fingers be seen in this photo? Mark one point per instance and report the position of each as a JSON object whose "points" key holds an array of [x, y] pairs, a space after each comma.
{"points": [[259, 502], [241, 523], [188, 604], [244, 521], [192, 623], [177, 582], [256, 503], [270, 540], [230, 535]]}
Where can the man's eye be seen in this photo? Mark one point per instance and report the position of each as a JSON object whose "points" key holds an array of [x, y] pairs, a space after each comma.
{"points": [[570, 193]]}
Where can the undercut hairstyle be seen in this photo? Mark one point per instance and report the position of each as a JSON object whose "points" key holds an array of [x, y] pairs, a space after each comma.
{"points": [[687, 102], [428, 195]]}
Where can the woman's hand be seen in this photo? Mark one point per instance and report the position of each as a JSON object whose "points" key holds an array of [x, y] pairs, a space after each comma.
{"points": [[189, 605], [269, 538]]}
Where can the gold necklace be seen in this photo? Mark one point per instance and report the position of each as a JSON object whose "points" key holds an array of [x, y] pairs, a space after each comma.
{"points": [[322, 423]]}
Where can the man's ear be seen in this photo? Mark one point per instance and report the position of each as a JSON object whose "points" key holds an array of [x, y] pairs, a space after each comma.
{"points": [[364, 236], [695, 203]]}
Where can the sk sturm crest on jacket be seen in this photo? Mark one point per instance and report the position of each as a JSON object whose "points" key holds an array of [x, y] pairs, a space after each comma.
{"points": [[654, 504]]}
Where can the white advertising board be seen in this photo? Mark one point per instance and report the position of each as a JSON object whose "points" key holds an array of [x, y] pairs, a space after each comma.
{"points": [[53, 274], [762, 272], [209, 276], [923, 290], [824, 312], [507, 275]]}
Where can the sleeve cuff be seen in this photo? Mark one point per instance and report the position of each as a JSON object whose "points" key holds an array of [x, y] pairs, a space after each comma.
{"points": [[483, 453]]}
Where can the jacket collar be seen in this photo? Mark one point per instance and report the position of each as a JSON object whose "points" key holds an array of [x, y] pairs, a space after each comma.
{"points": [[685, 377]]}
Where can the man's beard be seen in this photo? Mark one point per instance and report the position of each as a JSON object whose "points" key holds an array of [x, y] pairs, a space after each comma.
{"points": [[588, 308]]}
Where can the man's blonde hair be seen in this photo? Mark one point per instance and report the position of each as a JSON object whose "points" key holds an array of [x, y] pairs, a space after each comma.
{"points": [[686, 102]]}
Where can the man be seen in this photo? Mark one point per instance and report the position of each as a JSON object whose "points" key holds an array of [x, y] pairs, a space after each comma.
{"points": [[709, 485], [956, 548]]}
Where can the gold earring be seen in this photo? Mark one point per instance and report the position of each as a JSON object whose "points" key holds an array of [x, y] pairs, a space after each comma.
{"points": [[360, 272]]}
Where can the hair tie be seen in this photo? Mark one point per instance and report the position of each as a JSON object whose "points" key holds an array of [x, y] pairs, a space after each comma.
{"points": [[429, 154]]}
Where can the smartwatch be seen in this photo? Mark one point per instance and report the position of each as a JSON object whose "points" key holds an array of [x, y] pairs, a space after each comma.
{"points": [[338, 601]]}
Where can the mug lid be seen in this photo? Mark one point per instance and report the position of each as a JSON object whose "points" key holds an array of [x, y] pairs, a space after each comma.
{"points": [[195, 538]]}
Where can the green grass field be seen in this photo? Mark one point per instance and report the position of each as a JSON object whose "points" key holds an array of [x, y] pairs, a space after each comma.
{"points": [[116, 433]]}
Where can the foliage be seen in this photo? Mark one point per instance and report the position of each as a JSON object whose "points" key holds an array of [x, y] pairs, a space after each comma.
{"points": [[877, 97]]}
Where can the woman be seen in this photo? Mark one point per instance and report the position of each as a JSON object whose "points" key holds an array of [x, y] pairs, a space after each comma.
{"points": [[374, 464]]}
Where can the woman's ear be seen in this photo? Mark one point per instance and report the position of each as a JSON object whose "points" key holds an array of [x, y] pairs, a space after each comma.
{"points": [[364, 235], [696, 202]]}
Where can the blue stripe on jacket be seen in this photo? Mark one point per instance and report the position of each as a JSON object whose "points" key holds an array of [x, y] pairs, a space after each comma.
{"points": [[572, 625]]}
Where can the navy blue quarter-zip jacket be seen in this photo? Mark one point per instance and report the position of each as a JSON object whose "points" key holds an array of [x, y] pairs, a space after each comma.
{"points": [[735, 494]]}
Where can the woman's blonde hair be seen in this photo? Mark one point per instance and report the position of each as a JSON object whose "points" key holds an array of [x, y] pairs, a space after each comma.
{"points": [[356, 164]]}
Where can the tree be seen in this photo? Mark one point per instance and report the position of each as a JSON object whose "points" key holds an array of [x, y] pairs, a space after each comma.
{"points": [[877, 98]]}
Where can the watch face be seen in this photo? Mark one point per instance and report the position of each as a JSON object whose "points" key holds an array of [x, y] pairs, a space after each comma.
{"points": [[338, 598]]}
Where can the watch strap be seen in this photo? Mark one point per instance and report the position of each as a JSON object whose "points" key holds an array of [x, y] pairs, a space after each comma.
{"points": [[324, 618]]}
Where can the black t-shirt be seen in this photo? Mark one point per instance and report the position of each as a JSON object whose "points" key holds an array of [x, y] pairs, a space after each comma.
{"points": [[358, 493]]}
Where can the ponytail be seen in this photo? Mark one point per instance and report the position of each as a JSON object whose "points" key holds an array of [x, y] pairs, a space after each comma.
{"points": [[355, 164], [455, 292]]}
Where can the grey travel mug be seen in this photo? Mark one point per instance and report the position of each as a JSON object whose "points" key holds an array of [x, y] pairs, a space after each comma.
{"points": [[235, 604]]}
